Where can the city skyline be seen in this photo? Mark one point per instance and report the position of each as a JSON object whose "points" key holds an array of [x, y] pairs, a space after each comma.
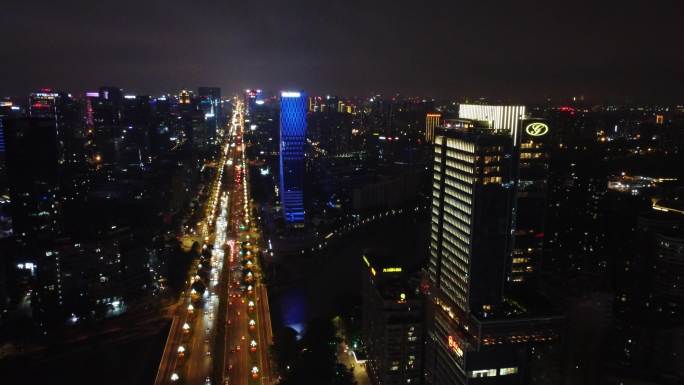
{"points": [[236, 217], [342, 192]]}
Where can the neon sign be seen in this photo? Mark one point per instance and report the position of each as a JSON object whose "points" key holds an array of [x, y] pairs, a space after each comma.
{"points": [[536, 129]]}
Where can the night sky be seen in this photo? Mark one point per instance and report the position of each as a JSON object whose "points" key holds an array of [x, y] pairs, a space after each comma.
{"points": [[513, 50]]}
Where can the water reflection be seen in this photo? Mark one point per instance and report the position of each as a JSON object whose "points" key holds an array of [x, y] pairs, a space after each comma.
{"points": [[293, 309]]}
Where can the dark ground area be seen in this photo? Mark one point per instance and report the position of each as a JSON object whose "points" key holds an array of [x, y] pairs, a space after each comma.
{"points": [[122, 356], [329, 284]]}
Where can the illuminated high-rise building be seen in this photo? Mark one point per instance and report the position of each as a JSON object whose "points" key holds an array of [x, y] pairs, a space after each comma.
{"points": [[431, 123], [528, 137], [293, 106], [473, 199], [184, 97], [476, 332], [43, 104], [498, 118], [253, 98]]}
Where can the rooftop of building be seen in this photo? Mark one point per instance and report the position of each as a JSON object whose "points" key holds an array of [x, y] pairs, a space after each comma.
{"points": [[392, 278], [456, 123], [522, 306], [471, 128]]}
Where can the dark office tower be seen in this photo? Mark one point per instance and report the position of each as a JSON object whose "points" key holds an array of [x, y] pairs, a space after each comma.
{"points": [[253, 98], [137, 111], [210, 104], [330, 131], [112, 94], [668, 264], [331, 103], [7, 110], [212, 92], [107, 129], [109, 109], [475, 334], [167, 127], [138, 121], [192, 121], [531, 200], [392, 321], [292, 136], [32, 165], [66, 114], [2, 147]]}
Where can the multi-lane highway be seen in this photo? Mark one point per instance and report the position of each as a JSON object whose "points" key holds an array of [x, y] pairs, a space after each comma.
{"points": [[249, 326], [221, 326]]}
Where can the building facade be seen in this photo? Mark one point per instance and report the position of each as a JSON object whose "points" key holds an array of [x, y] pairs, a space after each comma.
{"points": [[431, 123], [293, 106], [476, 332], [531, 181], [392, 321]]}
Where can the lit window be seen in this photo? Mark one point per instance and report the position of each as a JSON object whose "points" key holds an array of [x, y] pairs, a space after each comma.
{"points": [[482, 373], [507, 371]]}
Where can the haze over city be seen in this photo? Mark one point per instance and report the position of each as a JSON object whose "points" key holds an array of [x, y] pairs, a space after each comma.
{"points": [[523, 51]]}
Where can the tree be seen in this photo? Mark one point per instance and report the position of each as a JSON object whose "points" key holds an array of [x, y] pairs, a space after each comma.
{"points": [[285, 349], [316, 362]]}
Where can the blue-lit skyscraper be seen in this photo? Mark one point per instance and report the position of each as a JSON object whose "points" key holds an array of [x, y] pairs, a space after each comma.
{"points": [[293, 106]]}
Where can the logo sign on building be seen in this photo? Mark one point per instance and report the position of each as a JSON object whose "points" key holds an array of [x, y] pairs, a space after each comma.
{"points": [[536, 129]]}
